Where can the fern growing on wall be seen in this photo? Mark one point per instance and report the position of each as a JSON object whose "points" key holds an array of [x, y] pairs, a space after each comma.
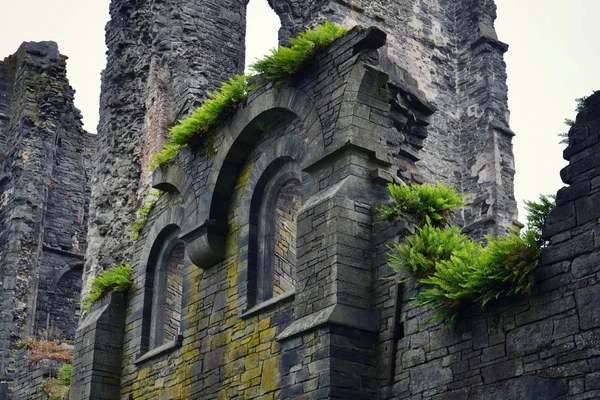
{"points": [[58, 388], [284, 62], [115, 279], [454, 271], [278, 66], [564, 137]]}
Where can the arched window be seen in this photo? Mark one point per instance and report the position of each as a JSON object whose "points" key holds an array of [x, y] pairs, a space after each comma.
{"points": [[164, 290], [274, 212]]}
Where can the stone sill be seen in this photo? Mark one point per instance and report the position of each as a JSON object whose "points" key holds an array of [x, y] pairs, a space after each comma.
{"points": [[268, 304], [79, 256], [165, 348]]}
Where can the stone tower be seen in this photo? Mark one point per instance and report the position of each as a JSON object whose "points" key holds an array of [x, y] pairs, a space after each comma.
{"points": [[45, 183], [278, 291]]}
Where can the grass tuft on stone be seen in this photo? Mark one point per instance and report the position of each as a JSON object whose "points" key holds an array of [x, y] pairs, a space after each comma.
{"points": [[148, 204], [284, 62], [219, 105], [115, 279]]}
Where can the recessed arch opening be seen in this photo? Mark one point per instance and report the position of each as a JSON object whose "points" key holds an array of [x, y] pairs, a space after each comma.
{"points": [[237, 156], [163, 289]]}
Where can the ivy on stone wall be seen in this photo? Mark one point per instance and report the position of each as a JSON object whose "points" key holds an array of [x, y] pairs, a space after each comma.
{"points": [[278, 66], [454, 271]]}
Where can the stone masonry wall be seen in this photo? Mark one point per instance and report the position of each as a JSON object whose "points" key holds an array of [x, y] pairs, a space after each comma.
{"points": [[163, 58], [530, 347], [231, 347], [43, 188], [447, 53]]}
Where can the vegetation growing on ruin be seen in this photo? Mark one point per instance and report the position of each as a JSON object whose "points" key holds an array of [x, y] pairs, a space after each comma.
{"points": [[219, 105], [58, 388], [422, 202], [569, 122], [57, 350], [148, 204], [453, 270], [279, 65], [284, 62], [115, 279]]}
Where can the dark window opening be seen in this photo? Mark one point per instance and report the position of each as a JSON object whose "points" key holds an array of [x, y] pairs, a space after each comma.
{"points": [[272, 249], [164, 290]]}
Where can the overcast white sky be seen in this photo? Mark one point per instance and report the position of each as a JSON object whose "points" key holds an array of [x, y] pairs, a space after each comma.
{"points": [[553, 58]]}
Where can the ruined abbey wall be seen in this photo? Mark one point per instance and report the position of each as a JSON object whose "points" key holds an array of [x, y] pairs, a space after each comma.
{"points": [[540, 346], [428, 104], [164, 57], [162, 60], [281, 289], [45, 167]]}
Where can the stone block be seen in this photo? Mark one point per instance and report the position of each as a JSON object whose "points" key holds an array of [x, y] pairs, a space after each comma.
{"points": [[586, 265], [504, 370], [523, 388], [581, 244], [588, 300], [588, 209], [429, 375], [529, 338]]}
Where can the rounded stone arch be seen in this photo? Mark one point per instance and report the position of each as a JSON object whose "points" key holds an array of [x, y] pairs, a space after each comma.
{"points": [[162, 239], [171, 219], [282, 161], [273, 108], [63, 271], [286, 150], [176, 180]]}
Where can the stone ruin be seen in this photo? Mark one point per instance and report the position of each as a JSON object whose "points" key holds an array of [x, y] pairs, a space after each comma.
{"points": [[45, 185], [261, 271]]}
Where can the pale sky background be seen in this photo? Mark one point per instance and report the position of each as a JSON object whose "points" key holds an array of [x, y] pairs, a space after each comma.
{"points": [[553, 59]]}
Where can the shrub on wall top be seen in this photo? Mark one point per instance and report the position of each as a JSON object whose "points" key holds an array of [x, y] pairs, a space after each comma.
{"points": [[278, 66], [455, 271], [115, 279]]}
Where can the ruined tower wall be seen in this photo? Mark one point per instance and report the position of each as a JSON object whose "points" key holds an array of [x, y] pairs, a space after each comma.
{"points": [[447, 53], [544, 345], [43, 188], [163, 58]]}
